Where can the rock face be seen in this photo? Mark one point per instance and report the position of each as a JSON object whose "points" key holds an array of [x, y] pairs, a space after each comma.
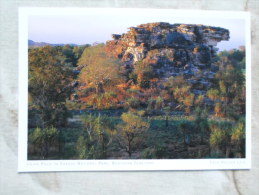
{"points": [[171, 49]]}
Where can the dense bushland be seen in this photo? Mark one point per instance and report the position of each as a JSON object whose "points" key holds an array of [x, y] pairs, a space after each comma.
{"points": [[84, 104]]}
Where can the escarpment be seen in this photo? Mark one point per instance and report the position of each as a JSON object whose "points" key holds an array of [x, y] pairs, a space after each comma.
{"points": [[171, 49]]}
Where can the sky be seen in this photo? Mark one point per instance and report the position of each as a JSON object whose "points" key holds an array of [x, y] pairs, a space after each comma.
{"points": [[97, 25]]}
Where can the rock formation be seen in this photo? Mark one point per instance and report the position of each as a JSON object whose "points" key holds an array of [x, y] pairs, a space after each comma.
{"points": [[171, 49]]}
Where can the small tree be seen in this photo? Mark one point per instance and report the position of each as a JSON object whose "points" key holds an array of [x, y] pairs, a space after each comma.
{"points": [[81, 147], [159, 103], [238, 138], [131, 131], [89, 125], [184, 127], [213, 94], [44, 139], [218, 109], [220, 137], [100, 131], [201, 123], [145, 73], [105, 131], [188, 102]]}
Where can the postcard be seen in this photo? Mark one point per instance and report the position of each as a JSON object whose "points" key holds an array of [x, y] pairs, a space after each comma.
{"points": [[119, 89]]}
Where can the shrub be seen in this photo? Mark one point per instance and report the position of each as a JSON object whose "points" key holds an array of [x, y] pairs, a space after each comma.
{"points": [[44, 139], [148, 153], [133, 103]]}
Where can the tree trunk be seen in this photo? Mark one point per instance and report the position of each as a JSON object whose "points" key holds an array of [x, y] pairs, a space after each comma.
{"points": [[103, 147], [184, 137], [59, 144], [202, 138], [129, 149], [166, 121], [99, 88]]}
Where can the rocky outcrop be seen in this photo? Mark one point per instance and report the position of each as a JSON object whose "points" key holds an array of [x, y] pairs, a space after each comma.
{"points": [[172, 49]]}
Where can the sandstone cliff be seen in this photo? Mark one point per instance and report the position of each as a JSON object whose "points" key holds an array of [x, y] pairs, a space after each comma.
{"points": [[171, 49]]}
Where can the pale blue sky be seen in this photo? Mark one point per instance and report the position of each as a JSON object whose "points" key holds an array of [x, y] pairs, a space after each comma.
{"points": [[98, 26]]}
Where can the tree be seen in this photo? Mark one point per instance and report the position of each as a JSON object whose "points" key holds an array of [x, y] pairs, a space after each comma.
{"points": [[99, 69], [180, 92], [105, 131], [100, 132], [145, 73], [201, 123], [106, 100], [188, 102], [43, 139], [213, 94], [184, 127], [184, 97], [131, 131], [81, 147], [89, 125], [230, 83], [218, 109], [220, 138], [238, 138], [49, 85]]}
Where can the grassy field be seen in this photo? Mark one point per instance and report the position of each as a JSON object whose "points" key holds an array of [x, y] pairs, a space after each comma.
{"points": [[163, 140]]}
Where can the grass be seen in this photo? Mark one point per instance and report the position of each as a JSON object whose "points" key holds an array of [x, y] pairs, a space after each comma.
{"points": [[163, 140]]}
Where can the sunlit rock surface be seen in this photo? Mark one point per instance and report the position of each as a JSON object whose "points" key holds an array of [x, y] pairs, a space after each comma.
{"points": [[172, 49]]}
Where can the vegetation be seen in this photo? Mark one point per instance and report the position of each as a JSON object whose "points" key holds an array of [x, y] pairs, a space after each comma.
{"points": [[131, 131], [84, 105]]}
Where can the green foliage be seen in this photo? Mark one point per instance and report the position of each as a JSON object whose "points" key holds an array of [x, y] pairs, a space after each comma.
{"points": [[213, 94], [161, 152], [238, 138], [86, 150], [201, 123], [100, 132], [155, 105], [184, 127], [106, 100], [43, 139], [217, 137], [69, 151], [144, 74], [199, 100], [133, 103], [81, 148], [148, 153], [238, 133], [220, 138], [229, 90], [158, 152], [131, 131], [159, 103], [141, 113], [158, 120], [48, 85]]}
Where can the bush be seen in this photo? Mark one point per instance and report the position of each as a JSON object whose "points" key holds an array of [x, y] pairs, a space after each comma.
{"points": [[161, 152], [69, 151], [133, 103], [148, 153], [43, 139]]}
